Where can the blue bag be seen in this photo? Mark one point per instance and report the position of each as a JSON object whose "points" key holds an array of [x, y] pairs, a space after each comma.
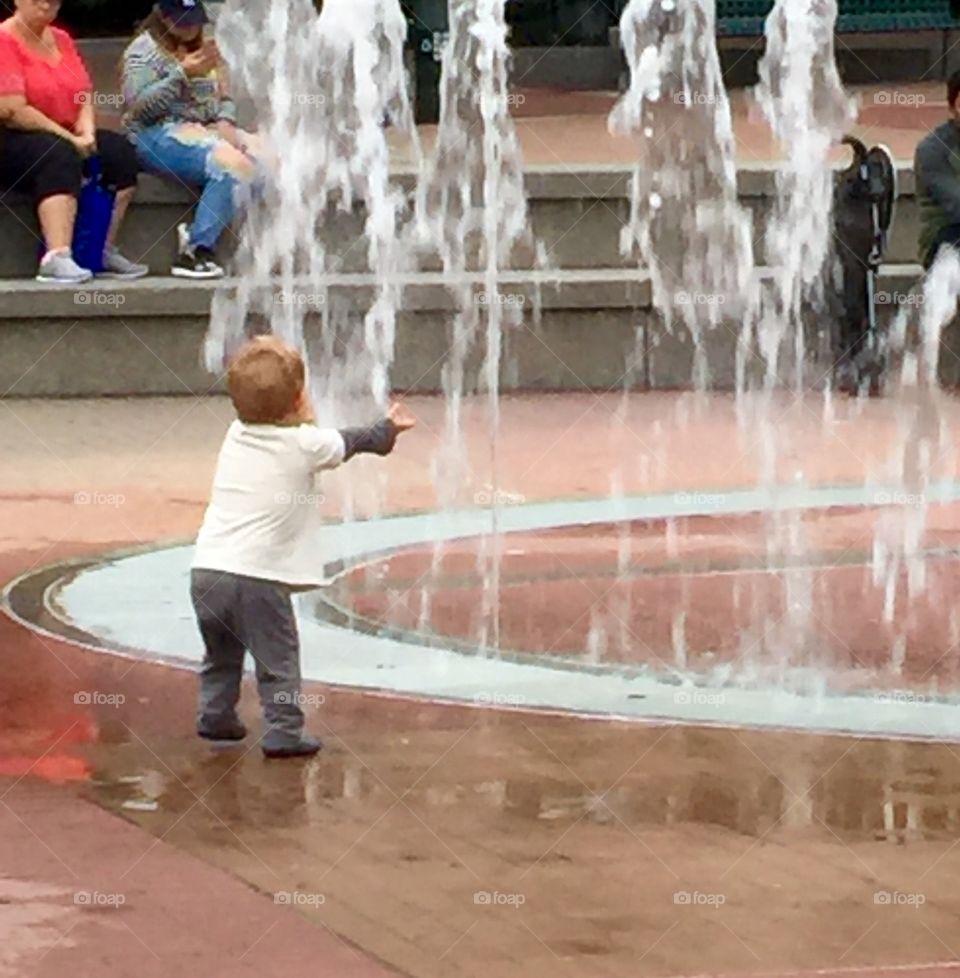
{"points": [[94, 214]]}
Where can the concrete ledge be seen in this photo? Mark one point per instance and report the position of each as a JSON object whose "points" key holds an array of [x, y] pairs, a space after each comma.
{"points": [[165, 298], [591, 200], [591, 330], [557, 181]]}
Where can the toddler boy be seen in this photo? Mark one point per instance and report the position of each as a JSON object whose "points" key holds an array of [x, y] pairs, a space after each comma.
{"points": [[254, 549]]}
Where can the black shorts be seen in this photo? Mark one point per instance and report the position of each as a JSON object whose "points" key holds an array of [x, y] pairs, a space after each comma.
{"points": [[41, 165]]}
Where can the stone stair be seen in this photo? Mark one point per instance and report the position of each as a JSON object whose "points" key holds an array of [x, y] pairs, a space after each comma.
{"points": [[595, 329]]}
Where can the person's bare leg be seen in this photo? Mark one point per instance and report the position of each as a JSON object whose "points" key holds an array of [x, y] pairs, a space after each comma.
{"points": [[123, 201], [57, 216]]}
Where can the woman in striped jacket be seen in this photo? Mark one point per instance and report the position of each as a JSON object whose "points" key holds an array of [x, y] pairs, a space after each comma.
{"points": [[182, 120]]}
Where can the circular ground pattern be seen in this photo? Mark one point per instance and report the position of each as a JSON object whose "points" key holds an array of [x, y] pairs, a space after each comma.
{"points": [[767, 611]]}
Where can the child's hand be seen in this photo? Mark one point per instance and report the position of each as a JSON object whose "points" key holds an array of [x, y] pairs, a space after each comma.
{"points": [[401, 416]]}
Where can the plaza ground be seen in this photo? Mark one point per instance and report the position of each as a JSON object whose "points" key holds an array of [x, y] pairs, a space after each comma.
{"points": [[430, 839]]}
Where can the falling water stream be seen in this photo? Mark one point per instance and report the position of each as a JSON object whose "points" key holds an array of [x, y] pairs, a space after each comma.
{"points": [[325, 87], [472, 211]]}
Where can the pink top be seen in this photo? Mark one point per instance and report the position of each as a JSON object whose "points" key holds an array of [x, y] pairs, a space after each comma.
{"points": [[58, 90]]}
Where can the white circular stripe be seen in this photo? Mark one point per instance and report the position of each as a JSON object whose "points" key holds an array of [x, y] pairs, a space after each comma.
{"points": [[142, 602]]}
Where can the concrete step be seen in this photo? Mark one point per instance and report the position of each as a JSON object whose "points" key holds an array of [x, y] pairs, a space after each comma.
{"points": [[576, 214], [580, 329]]}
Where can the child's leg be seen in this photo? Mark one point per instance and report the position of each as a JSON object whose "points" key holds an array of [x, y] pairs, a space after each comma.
{"points": [[270, 628], [214, 597]]}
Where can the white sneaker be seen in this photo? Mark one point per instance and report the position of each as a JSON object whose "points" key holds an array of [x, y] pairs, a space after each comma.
{"points": [[116, 266], [59, 268], [197, 264]]}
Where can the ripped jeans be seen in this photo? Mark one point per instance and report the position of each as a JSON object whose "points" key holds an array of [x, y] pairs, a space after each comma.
{"points": [[199, 157]]}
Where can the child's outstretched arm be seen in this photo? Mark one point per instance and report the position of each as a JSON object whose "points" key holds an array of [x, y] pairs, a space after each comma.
{"points": [[379, 438]]}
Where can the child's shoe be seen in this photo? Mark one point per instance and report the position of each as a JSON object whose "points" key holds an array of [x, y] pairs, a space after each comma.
{"points": [[228, 732], [306, 747]]}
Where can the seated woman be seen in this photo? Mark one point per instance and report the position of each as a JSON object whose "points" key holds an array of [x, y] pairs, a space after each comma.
{"points": [[46, 110], [183, 122]]}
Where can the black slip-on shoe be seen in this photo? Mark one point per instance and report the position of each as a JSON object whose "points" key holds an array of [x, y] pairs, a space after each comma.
{"points": [[307, 747]]}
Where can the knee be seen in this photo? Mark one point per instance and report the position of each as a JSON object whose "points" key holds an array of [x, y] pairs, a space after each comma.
{"points": [[120, 165], [228, 161], [59, 171]]}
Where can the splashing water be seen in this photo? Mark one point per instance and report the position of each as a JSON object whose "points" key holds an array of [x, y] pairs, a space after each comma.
{"points": [[808, 111], [686, 224], [323, 88], [472, 210], [922, 449]]}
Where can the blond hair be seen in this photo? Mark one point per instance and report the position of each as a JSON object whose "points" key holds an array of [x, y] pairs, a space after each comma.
{"points": [[265, 381]]}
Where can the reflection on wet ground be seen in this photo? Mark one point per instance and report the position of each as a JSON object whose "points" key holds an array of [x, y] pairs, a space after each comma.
{"points": [[449, 841]]}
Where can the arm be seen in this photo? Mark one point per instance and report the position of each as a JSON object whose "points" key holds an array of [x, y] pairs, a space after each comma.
{"points": [[21, 116], [938, 178], [150, 88], [87, 123], [227, 110], [228, 107], [377, 439]]}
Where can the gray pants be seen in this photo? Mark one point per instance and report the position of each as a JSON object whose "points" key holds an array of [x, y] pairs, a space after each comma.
{"points": [[238, 615]]}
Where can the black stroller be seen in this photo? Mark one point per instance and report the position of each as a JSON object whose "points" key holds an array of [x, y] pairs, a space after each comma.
{"points": [[864, 201]]}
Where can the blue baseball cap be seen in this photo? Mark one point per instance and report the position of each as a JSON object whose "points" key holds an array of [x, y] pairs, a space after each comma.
{"points": [[184, 13]]}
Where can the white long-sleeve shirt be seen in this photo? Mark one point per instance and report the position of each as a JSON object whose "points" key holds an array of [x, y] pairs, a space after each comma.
{"points": [[264, 503]]}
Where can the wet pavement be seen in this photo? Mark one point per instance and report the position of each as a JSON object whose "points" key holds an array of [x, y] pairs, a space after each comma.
{"points": [[450, 840]]}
